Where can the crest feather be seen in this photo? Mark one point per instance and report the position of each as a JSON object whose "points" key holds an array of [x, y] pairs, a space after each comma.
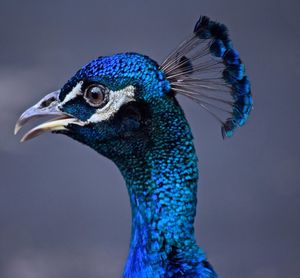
{"points": [[207, 69]]}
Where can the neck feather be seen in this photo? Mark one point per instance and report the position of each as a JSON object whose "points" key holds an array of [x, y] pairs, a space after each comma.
{"points": [[162, 186]]}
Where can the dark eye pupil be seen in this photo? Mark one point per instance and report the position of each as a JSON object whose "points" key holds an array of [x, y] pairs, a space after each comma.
{"points": [[95, 95]]}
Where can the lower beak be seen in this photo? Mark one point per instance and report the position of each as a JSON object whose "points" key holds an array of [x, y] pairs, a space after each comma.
{"points": [[47, 106]]}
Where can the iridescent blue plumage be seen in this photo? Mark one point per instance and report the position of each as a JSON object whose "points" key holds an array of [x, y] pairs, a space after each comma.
{"points": [[124, 106], [119, 70], [158, 162]]}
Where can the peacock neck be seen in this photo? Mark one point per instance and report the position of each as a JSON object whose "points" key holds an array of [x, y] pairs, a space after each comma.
{"points": [[162, 186]]}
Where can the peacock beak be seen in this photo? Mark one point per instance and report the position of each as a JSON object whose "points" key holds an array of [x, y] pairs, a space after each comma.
{"points": [[47, 106]]}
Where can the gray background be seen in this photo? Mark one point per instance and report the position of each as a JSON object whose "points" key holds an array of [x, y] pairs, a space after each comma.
{"points": [[64, 210]]}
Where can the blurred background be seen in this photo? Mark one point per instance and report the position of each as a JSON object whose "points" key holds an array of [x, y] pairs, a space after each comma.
{"points": [[64, 210]]}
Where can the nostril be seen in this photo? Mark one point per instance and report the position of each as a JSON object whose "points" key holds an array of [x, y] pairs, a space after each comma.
{"points": [[47, 102]]}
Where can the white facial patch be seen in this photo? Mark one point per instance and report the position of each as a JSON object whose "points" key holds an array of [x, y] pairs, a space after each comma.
{"points": [[116, 100], [73, 94]]}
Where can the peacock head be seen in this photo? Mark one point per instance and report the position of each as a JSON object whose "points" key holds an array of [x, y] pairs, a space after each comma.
{"points": [[108, 105], [119, 105]]}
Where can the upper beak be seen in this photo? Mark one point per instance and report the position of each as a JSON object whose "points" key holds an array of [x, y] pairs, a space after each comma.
{"points": [[47, 106]]}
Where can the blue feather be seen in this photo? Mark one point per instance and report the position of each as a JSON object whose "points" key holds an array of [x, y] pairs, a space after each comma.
{"points": [[201, 28], [219, 31], [232, 57], [242, 87], [217, 48]]}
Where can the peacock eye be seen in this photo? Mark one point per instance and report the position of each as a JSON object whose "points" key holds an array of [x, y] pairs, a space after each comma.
{"points": [[95, 95]]}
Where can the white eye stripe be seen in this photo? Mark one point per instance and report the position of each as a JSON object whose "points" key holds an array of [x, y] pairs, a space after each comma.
{"points": [[116, 100], [76, 91]]}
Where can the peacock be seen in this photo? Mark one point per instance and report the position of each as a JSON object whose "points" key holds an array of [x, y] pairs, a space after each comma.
{"points": [[124, 107]]}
